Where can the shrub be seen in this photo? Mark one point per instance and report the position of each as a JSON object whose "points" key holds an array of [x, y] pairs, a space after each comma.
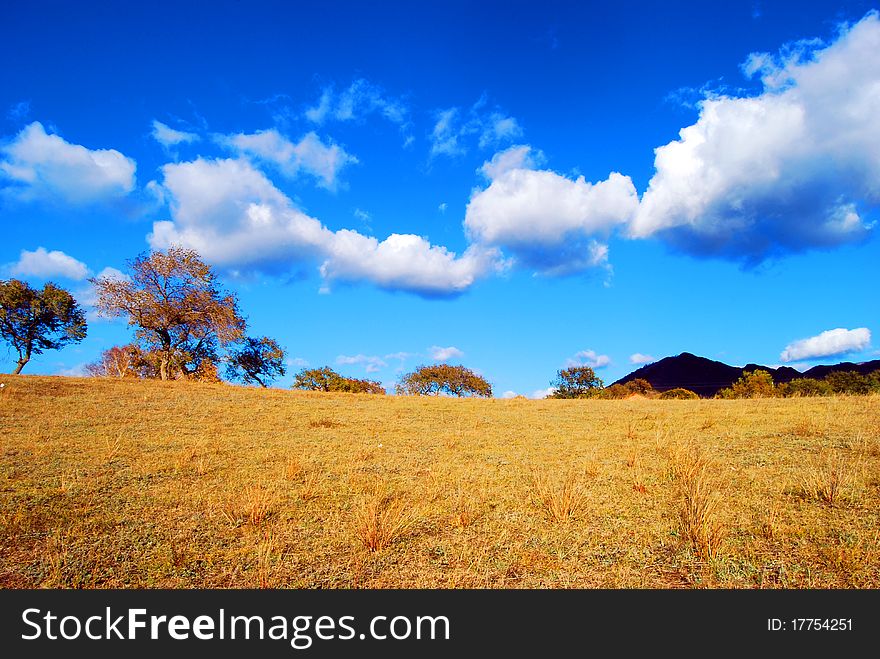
{"points": [[848, 382], [678, 393], [805, 387]]}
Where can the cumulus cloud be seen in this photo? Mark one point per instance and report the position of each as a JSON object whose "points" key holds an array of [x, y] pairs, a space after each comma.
{"points": [[310, 155], [296, 362], [405, 262], [236, 218], [549, 222], [588, 358], [38, 165], [170, 137], [639, 358], [44, 264], [453, 129], [793, 168], [830, 342], [371, 363], [440, 354]]}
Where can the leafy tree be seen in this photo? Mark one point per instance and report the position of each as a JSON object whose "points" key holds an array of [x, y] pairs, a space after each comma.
{"points": [[256, 361], [32, 321], [679, 393], [576, 382], [180, 313], [752, 384], [443, 378], [326, 379]]}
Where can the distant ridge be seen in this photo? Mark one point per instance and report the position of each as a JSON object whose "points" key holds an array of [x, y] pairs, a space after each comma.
{"points": [[707, 377]]}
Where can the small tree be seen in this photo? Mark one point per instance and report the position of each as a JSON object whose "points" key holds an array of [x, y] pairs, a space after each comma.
{"points": [[752, 384], [119, 362], [180, 313], [442, 378], [256, 361], [576, 382], [32, 321]]}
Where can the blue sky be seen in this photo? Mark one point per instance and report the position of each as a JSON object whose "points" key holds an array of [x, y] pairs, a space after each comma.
{"points": [[512, 186]]}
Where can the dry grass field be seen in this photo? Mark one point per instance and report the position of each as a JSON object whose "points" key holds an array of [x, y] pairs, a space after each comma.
{"points": [[132, 484]]}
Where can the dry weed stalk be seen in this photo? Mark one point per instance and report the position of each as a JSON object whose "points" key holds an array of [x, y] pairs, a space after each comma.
{"points": [[829, 478], [382, 518], [560, 497], [698, 515]]}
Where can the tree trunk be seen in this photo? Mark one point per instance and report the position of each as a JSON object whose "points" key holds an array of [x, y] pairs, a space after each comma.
{"points": [[19, 365], [163, 368]]}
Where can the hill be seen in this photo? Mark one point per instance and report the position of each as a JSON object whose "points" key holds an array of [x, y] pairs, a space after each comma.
{"points": [[707, 377], [143, 484]]}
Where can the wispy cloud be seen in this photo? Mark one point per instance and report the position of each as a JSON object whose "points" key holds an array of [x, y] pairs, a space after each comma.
{"points": [[441, 354]]}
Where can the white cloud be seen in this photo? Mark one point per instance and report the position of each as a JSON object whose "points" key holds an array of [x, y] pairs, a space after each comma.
{"points": [[547, 221], [440, 354], [370, 363], [236, 218], [39, 166], [309, 155], [509, 394], [830, 342], [45, 264], [796, 167], [639, 358], [296, 362], [442, 207], [588, 358], [169, 137], [542, 393], [362, 215]]}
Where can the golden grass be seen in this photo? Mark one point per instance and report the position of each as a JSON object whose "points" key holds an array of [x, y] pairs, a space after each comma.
{"points": [[124, 484]]}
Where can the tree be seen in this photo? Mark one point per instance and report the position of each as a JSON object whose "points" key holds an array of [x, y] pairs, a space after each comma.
{"points": [[256, 361], [326, 379], [576, 382], [32, 321], [181, 315], [443, 378], [805, 387]]}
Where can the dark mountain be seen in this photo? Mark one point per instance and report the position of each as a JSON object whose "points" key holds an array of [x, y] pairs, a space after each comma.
{"points": [[707, 377]]}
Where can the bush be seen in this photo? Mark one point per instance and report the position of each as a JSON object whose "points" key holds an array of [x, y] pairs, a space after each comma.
{"points": [[805, 387], [443, 378], [849, 382], [678, 393]]}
